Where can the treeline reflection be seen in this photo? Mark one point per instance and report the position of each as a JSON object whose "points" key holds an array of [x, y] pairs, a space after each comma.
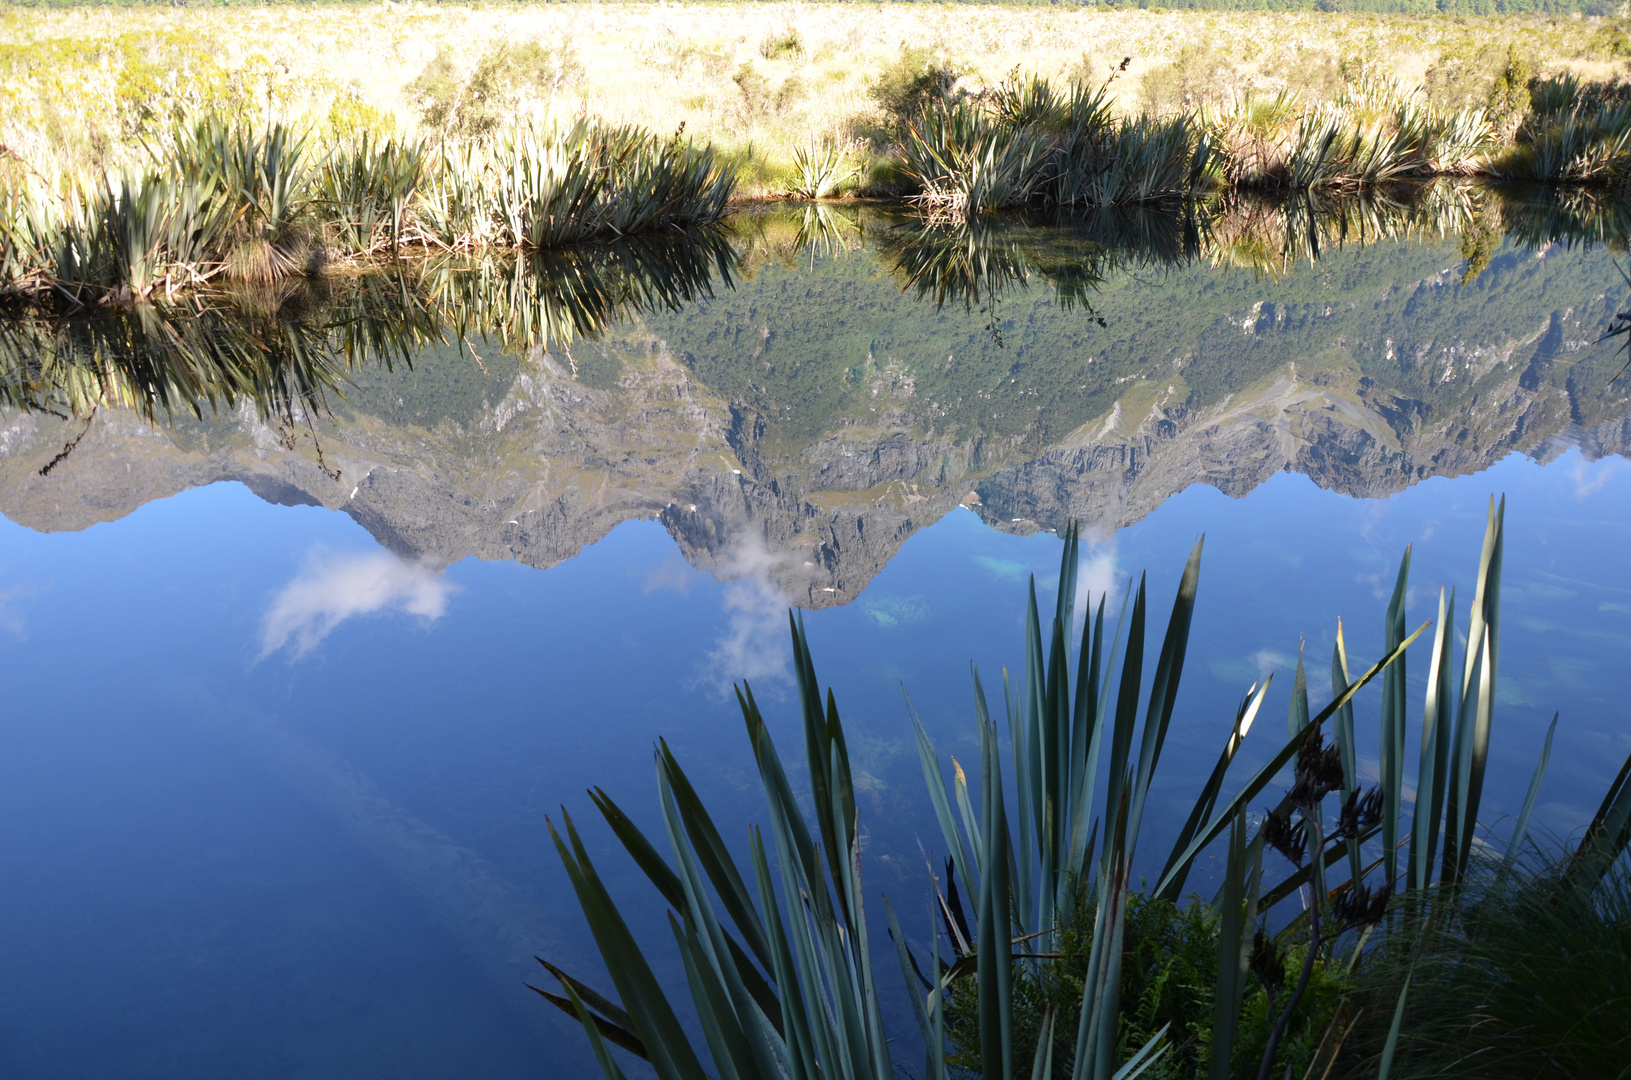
{"points": [[289, 349]]}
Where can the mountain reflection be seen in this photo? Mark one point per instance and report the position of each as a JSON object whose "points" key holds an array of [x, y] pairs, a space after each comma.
{"points": [[824, 380]]}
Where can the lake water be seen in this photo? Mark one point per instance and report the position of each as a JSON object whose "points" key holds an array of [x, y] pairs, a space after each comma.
{"points": [[292, 693]]}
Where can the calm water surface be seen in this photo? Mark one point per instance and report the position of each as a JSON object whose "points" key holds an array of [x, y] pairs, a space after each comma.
{"points": [[289, 703]]}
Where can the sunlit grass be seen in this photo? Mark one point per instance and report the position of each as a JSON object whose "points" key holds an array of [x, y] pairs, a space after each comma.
{"points": [[81, 86]]}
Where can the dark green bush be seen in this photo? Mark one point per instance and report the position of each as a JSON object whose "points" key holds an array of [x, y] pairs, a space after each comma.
{"points": [[1509, 92], [1168, 976], [918, 78], [755, 88]]}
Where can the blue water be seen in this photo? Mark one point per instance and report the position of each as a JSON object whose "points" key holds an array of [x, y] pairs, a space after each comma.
{"points": [[274, 801], [336, 863]]}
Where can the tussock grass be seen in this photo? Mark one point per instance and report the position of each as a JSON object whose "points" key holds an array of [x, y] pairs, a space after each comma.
{"points": [[82, 87], [1520, 972], [257, 204]]}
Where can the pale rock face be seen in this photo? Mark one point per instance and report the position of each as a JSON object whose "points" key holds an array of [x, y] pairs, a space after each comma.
{"points": [[555, 464]]}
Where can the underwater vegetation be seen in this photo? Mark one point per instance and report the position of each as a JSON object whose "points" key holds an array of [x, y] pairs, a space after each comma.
{"points": [[1046, 959]]}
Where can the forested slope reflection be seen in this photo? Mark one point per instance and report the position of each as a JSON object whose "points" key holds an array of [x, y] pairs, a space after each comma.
{"points": [[823, 382]]}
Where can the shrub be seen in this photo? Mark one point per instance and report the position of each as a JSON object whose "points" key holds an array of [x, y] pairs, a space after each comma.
{"points": [[755, 88], [1198, 76], [790, 93], [784, 42], [1462, 74], [436, 92], [1509, 93], [916, 79], [506, 75], [351, 118]]}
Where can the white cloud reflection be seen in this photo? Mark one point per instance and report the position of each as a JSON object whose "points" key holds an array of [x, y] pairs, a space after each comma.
{"points": [[755, 645], [1097, 572], [332, 588], [1590, 477]]}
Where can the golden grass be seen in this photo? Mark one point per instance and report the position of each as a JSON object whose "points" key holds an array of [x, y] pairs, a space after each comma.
{"points": [[75, 84]]}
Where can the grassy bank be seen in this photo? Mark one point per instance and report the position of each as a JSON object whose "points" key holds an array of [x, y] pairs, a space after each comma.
{"points": [[250, 204], [83, 88], [215, 197]]}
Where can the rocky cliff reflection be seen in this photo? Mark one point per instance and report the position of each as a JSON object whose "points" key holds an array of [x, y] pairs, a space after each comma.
{"points": [[821, 383]]}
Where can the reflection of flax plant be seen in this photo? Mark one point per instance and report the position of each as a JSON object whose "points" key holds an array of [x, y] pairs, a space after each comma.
{"points": [[1271, 234], [974, 261], [156, 359], [549, 299], [285, 347]]}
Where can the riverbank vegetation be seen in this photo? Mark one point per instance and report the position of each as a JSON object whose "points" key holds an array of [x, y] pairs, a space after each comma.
{"points": [[260, 204], [85, 89], [184, 203], [205, 162], [1354, 931]]}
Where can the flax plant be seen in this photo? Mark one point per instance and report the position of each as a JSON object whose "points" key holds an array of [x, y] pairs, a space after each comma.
{"points": [[1574, 133], [1374, 132], [787, 987], [821, 169], [246, 203], [365, 187], [1028, 144]]}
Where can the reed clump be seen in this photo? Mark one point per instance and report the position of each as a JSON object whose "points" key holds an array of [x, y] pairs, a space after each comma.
{"points": [[252, 203], [1028, 142], [1374, 131]]}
